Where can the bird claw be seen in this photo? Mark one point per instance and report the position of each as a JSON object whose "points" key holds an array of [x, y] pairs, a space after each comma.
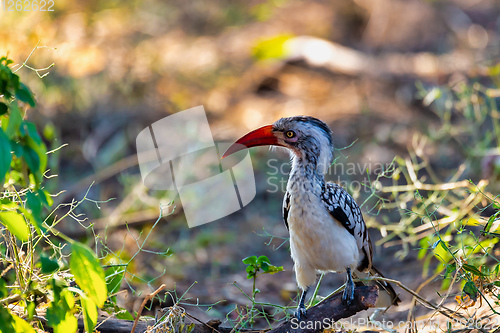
{"points": [[348, 295], [300, 313]]}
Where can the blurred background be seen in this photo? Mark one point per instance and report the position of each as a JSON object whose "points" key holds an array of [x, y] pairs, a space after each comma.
{"points": [[380, 73]]}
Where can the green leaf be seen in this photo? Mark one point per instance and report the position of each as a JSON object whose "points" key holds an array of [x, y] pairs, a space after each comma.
{"points": [[274, 269], [21, 326], [31, 158], [88, 274], [124, 314], [24, 94], [3, 108], [30, 217], [262, 259], [442, 253], [89, 310], [48, 265], [5, 155], [14, 81], [421, 253], [45, 198], [15, 120], [6, 204], [449, 269], [4, 61], [265, 266], [6, 321], [250, 260], [471, 290], [40, 150], [28, 128], [472, 269], [60, 314], [16, 148], [30, 309], [3, 289], [16, 224], [9, 82], [35, 204], [492, 219], [251, 271]]}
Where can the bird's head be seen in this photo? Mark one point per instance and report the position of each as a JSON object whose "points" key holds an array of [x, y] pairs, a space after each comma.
{"points": [[308, 138]]}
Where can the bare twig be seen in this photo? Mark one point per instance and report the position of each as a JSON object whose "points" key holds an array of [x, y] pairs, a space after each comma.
{"points": [[36, 70], [144, 302]]}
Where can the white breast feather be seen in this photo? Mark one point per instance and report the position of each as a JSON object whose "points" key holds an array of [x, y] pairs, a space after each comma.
{"points": [[317, 241]]}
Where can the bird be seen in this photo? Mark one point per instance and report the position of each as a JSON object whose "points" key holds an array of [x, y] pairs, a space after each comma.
{"points": [[326, 226]]}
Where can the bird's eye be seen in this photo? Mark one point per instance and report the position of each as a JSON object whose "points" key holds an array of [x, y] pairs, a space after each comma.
{"points": [[290, 134]]}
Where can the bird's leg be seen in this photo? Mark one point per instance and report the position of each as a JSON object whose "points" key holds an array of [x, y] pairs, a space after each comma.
{"points": [[348, 295], [301, 309]]}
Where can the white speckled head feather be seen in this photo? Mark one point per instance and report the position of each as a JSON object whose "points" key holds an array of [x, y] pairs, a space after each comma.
{"points": [[313, 141]]}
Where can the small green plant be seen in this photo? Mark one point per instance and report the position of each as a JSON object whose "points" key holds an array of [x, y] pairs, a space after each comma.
{"points": [[255, 265]]}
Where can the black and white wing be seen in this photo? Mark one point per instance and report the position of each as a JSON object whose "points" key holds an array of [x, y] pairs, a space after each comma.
{"points": [[286, 208], [345, 210]]}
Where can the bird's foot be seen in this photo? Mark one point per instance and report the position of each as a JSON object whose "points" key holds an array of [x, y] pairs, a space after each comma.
{"points": [[301, 309], [300, 313], [348, 295]]}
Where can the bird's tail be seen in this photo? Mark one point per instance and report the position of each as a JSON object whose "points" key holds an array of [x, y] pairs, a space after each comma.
{"points": [[385, 299]]}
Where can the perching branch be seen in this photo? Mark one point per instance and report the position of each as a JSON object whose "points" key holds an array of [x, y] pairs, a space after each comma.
{"points": [[332, 308]]}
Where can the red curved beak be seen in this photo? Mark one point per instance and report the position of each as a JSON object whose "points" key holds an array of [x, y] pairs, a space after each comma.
{"points": [[263, 136]]}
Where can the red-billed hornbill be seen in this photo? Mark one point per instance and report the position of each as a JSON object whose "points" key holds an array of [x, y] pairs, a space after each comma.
{"points": [[327, 230]]}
